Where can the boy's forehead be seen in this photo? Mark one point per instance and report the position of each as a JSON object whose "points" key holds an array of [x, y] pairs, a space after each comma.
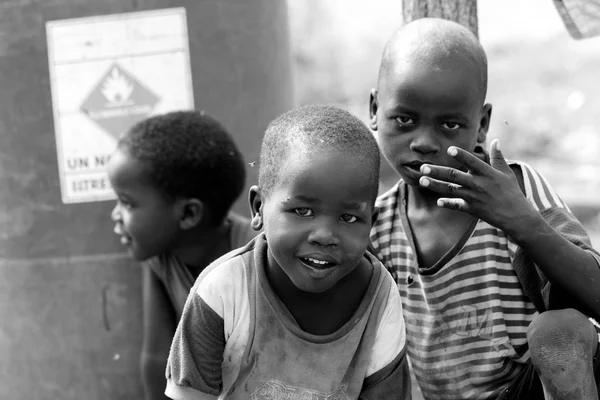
{"points": [[303, 165], [128, 169], [313, 177]]}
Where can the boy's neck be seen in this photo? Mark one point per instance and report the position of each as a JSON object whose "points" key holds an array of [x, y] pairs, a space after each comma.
{"points": [[199, 247], [422, 199]]}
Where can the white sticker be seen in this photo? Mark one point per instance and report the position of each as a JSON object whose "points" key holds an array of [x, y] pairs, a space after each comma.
{"points": [[107, 73]]}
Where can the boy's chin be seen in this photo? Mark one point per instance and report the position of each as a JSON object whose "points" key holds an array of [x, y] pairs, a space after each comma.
{"points": [[138, 256], [411, 180]]}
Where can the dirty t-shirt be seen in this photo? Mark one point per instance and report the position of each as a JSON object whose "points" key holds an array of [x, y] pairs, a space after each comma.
{"points": [[236, 340]]}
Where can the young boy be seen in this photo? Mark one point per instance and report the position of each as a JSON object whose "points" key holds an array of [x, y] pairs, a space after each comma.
{"points": [[302, 311], [176, 176], [475, 243]]}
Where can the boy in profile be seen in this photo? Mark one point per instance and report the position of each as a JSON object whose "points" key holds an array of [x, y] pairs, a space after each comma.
{"points": [[481, 248], [303, 311], [176, 177]]}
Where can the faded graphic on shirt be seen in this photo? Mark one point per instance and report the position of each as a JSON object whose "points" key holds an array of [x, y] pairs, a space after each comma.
{"points": [[276, 390]]}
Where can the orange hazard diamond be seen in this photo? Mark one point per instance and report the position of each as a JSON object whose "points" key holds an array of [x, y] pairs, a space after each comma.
{"points": [[118, 101]]}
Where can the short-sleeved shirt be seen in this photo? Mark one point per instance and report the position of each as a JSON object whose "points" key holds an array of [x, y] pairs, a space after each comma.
{"points": [[467, 315], [175, 275], [236, 340]]}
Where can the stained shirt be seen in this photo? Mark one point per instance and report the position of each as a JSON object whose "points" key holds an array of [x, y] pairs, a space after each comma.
{"points": [[467, 315], [236, 340]]}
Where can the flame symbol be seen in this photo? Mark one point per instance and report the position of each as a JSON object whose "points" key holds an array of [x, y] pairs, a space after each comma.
{"points": [[116, 88]]}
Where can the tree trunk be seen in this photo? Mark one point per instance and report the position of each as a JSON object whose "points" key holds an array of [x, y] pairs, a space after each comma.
{"points": [[462, 11]]}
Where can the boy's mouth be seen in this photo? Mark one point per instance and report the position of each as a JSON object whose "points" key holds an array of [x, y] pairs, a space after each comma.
{"points": [[317, 263], [414, 166], [124, 238]]}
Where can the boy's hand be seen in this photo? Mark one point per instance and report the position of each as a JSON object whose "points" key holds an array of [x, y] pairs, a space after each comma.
{"points": [[490, 193]]}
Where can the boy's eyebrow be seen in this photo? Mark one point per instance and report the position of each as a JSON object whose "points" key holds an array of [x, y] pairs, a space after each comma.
{"points": [[454, 115], [358, 205], [407, 110], [402, 108]]}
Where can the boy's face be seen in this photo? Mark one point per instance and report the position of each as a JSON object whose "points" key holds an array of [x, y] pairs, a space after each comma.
{"points": [[420, 111], [144, 218], [318, 217]]}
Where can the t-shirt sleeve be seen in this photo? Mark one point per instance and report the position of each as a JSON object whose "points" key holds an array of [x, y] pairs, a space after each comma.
{"points": [[557, 214], [554, 210], [194, 364], [388, 374]]}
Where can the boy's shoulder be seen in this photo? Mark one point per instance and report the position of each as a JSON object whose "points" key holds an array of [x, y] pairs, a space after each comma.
{"points": [[228, 267], [386, 285], [535, 187], [223, 284], [390, 197], [389, 205]]}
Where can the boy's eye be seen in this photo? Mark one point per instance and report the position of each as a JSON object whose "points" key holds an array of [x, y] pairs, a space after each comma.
{"points": [[404, 121], [303, 212], [349, 218], [124, 203], [451, 126]]}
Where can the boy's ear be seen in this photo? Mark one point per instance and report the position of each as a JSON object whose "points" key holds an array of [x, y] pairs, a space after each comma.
{"points": [[191, 212], [373, 106], [256, 206], [484, 122]]}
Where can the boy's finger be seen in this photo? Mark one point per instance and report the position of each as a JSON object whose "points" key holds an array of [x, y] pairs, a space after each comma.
{"points": [[473, 164], [497, 159], [443, 188], [445, 174], [454, 204]]}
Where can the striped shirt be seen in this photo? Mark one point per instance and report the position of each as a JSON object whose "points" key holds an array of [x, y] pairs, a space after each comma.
{"points": [[467, 316]]}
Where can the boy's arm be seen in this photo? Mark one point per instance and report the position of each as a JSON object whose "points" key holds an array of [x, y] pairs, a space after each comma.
{"points": [[388, 374], [158, 329], [492, 193], [194, 366]]}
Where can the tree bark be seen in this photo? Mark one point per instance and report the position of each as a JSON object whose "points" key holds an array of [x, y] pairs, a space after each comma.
{"points": [[462, 11]]}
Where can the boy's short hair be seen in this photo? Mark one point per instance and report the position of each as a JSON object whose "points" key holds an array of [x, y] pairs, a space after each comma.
{"points": [[190, 154], [434, 40], [315, 127]]}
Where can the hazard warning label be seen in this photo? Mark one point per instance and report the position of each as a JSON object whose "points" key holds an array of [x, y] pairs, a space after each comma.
{"points": [[106, 74], [119, 100]]}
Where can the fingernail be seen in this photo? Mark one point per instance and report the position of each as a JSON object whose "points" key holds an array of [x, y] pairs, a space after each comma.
{"points": [[424, 182], [425, 169], [440, 203], [452, 151], [497, 144]]}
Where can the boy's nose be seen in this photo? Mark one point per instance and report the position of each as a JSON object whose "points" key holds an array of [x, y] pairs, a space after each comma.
{"points": [[115, 214], [425, 141], [324, 235]]}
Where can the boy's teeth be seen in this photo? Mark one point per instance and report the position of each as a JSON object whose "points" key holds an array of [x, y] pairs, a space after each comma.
{"points": [[318, 261]]}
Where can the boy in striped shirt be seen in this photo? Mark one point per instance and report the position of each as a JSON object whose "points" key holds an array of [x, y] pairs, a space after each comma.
{"points": [[480, 247]]}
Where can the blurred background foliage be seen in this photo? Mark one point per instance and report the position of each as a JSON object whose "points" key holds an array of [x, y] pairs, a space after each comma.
{"points": [[544, 85]]}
